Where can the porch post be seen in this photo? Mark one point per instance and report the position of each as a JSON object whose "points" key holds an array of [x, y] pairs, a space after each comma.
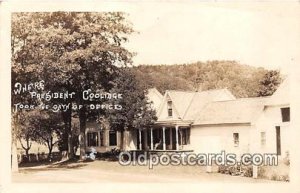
{"points": [[176, 130], [164, 138], [140, 139], [86, 138], [151, 137], [99, 138]]}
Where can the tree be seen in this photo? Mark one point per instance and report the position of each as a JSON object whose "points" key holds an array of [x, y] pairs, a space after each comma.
{"points": [[45, 128], [241, 80], [25, 133], [64, 136], [72, 52], [269, 83], [136, 112]]}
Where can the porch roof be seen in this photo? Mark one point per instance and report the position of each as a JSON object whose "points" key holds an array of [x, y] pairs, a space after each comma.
{"points": [[173, 123]]}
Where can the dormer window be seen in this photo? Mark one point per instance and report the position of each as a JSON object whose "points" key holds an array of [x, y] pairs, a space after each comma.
{"points": [[170, 110]]}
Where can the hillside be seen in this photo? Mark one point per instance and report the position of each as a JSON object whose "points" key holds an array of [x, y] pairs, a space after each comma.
{"points": [[241, 80]]}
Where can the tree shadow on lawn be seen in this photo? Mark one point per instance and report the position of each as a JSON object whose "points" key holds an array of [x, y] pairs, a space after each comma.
{"points": [[44, 166], [34, 164]]}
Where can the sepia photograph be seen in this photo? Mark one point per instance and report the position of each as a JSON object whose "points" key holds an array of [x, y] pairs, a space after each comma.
{"points": [[152, 92]]}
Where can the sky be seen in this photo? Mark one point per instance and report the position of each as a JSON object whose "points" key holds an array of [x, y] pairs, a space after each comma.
{"points": [[174, 32], [265, 35]]}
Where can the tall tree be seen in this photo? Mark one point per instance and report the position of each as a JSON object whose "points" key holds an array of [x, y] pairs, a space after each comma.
{"points": [[72, 52], [46, 128], [25, 133], [136, 111], [269, 83]]}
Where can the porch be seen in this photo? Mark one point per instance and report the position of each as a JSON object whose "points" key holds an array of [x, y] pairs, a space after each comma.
{"points": [[171, 138]]}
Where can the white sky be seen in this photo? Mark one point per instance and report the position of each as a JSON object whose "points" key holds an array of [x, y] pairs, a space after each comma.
{"points": [[264, 35], [173, 31]]}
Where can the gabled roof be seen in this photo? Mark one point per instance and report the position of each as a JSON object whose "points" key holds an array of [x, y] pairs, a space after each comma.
{"points": [[201, 99], [155, 97], [282, 95], [187, 104], [244, 110], [181, 100]]}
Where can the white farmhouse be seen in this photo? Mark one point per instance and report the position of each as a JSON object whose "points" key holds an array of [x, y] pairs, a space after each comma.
{"points": [[206, 122]]}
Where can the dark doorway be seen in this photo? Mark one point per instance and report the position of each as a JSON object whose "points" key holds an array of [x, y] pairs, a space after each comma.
{"points": [[167, 136], [278, 141], [173, 139], [122, 140]]}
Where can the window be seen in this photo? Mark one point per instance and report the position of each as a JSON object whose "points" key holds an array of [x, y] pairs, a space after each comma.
{"points": [[185, 136], [236, 139], [285, 114], [170, 110], [92, 139], [263, 138], [112, 138]]}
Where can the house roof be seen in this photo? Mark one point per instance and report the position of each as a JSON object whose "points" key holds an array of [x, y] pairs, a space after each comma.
{"points": [[187, 104], [201, 99], [244, 110], [282, 95], [155, 97], [218, 106], [181, 100]]}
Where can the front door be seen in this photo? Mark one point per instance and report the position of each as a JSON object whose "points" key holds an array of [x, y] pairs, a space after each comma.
{"points": [[168, 138], [278, 140]]}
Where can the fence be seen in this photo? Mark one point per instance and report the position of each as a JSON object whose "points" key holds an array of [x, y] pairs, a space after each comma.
{"points": [[39, 157]]}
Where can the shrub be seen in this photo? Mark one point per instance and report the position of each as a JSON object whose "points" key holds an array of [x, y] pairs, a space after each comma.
{"points": [[261, 173], [274, 177], [222, 169], [233, 170], [285, 178], [247, 171]]}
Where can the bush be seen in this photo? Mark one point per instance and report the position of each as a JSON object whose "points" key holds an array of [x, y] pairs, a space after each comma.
{"points": [[261, 172], [222, 169], [277, 177], [111, 155], [247, 171], [233, 170]]}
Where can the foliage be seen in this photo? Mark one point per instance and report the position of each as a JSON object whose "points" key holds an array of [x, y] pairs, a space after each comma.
{"points": [[38, 126], [63, 137], [46, 127], [24, 132], [70, 51], [241, 80], [269, 83], [136, 112], [69, 47]]}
